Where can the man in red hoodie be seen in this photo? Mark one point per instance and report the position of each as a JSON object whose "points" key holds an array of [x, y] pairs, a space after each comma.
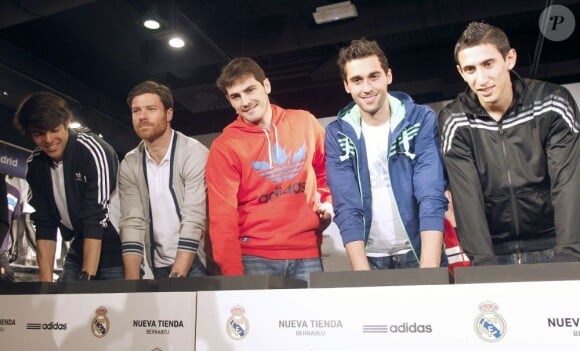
{"points": [[266, 178]]}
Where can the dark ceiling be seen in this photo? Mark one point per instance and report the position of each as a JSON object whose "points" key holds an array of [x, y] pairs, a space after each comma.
{"points": [[93, 52]]}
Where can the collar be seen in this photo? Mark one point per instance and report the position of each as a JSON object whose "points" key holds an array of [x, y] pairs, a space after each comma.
{"points": [[167, 156], [353, 115], [397, 111]]}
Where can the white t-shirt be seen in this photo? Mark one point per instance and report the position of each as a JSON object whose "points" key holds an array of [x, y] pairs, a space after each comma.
{"points": [[387, 236], [166, 224], [59, 192]]}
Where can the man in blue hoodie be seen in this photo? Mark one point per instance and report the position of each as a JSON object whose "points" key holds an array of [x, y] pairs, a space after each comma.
{"points": [[384, 169]]}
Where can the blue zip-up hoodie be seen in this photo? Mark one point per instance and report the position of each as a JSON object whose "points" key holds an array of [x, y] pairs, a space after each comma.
{"points": [[415, 168]]}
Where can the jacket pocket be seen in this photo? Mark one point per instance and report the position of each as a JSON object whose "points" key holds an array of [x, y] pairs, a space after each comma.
{"points": [[536, 213], [499, 217]]}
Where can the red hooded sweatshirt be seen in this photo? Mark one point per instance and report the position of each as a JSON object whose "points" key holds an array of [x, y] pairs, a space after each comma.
{"points": [[262, 189]]}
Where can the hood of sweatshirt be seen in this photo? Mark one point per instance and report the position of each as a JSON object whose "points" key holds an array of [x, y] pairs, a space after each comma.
{"points": [[276, 154], [399, 102], [241, 126]]}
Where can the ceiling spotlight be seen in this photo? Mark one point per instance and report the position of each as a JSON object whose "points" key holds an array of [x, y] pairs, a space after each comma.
{"points": [[151, 23], [176, 42], [75, 125], [5, 93], [334, 12]]}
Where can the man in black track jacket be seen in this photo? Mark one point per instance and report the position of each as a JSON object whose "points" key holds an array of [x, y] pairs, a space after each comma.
{"points": [[512, 153], [72, 175]]}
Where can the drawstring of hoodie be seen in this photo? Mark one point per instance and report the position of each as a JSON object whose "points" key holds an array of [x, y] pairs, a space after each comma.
{"points": [[276, 142], [265, 130]]}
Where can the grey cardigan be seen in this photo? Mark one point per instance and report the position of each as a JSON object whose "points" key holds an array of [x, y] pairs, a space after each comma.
{"points": [[188, 159]]}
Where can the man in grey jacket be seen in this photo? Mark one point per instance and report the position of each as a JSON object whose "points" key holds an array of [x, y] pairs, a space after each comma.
{"points": [[162, 190]]}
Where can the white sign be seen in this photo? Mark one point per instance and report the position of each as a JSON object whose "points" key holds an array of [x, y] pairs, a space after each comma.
{"points": [[502, 316], [97, 322]]}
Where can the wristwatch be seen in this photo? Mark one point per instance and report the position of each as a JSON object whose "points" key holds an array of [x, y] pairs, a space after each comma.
{"points": [[175, 274], [86, 276]]}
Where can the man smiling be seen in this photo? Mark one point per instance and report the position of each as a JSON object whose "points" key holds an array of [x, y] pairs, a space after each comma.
{"points": [[384, 168], [511, 148], [72, 176], [264, 176]]}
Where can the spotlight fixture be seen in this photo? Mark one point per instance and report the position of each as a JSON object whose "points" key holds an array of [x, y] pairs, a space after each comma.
{"points": [[151, 23], [75, 125], [175, 39], [335, 12], [176, 42]]}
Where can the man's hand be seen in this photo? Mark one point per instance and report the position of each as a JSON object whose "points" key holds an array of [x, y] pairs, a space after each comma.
{"points": [[183, 262], [325, 213]]}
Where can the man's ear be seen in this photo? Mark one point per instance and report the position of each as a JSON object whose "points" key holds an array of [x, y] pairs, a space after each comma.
{"points": [[389, 75], [460, 71], [267, 86], [346, 87], [169, 114], [511, 58]]}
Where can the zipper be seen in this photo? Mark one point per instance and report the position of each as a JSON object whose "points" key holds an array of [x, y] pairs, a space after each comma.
{"points": [[358, 180], [515, 220], [399, 213]]}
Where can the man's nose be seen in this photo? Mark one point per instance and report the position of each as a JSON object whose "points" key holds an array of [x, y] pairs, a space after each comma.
{"points": [[48, 137], [245, 99], [141, 115], [366, 85], [480, 76]]}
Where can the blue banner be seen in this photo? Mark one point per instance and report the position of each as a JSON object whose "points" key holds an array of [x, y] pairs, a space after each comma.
{"points": [[13, 159]]}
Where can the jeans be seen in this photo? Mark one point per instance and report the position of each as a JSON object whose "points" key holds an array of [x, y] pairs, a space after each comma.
{"points": [[295, 269], [72, 270], [197, 270], [540, 256], [406, 260]]}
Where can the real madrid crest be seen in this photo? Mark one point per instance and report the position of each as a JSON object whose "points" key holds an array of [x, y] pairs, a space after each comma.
{"points": [[237, 326], [490, 325], [100, 324]]}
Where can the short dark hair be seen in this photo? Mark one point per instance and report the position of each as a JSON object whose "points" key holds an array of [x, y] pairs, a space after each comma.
{"points": [[43, 111], [478, 33], [238, 68], [361, 48], [151, 87]]}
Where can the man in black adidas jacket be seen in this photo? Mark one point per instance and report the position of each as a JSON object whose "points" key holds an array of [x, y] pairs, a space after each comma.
{"points": [[72, 175], [512, 153]]}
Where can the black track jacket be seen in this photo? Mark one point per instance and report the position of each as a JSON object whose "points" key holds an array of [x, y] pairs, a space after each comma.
{"points": [[516, 182], [90, 172]]}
